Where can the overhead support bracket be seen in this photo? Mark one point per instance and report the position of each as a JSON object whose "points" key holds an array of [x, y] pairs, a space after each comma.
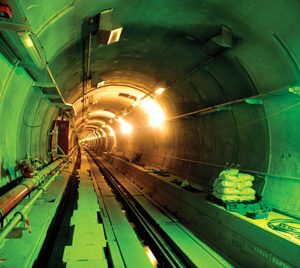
{"points": [[219, 43], [6, 25]]}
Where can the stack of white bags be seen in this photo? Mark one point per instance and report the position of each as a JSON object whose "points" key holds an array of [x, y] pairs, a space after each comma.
{"points": [[234, 186]]}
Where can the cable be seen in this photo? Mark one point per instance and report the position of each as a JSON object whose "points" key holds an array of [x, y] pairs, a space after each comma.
{"points": [[26, 111], [41, 46], [284, 226], [44, 81], [222, 166], [25, 117]]}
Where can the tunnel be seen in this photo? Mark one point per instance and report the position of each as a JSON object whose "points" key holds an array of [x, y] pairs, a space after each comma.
{"points": [[149, 133]]}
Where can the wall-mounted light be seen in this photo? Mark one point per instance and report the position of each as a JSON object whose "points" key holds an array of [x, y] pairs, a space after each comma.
{"points": [[33, 50], [151, 256], [27, 41], [294, 90], [159, 90], [154, 111], [97, 81], [112, 133], [100, 84], [125, 127], [135, 103]]}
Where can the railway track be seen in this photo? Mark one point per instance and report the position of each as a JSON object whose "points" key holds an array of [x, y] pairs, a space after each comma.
{"points": [[172, 244]]}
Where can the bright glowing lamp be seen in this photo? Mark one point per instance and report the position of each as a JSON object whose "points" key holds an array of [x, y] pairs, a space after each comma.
{"points": [[33, 50], [159, 90], [111, 133], [154, 111], [135, 103], [151, 256], [126, 128], [27, 41]]}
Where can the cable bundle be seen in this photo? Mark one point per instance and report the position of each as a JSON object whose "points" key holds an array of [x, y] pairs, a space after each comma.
{"points": [[234, 186]]}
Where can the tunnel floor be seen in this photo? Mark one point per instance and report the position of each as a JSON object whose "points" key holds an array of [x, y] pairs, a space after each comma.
{"points": [[93, 228], [111, 213], [80, 240]]}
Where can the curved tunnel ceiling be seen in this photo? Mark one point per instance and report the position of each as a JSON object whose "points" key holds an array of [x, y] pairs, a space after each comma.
{"points": [[163, 42], [230, 69]]}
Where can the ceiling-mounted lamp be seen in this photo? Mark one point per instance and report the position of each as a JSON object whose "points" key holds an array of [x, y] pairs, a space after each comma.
{"points": [[135, 103], [154, 111], [159, 90], [33, 50], [100, 84], [125, 127], [109, 32]]}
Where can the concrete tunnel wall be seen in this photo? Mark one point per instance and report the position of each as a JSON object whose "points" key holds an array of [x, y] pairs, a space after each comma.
{"points": [[26, 117], [262, 137]]}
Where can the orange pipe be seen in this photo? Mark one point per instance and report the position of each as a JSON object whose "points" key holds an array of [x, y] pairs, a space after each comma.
{"points": [[13, 197]]}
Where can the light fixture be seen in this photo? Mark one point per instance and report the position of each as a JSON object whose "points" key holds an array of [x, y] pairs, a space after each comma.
{"points": [[112, 133], [33, 50], [100, 84], [159, 90], [154, 111], [151, 256], [125, 127], [294, 90], [27, 41], [135, 103]]}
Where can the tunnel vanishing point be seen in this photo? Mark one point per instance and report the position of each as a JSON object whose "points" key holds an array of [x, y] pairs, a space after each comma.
{"points": [[151, 133]]}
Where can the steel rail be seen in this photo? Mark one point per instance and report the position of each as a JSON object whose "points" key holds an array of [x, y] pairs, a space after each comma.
{"points": [[163, 248]]}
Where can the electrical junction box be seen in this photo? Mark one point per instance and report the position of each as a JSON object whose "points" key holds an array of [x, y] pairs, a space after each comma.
{"points": [[62, 137], [108, 32]]}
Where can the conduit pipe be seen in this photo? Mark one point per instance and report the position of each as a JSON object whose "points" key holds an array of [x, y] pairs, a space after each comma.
{"points": [[19, 216], [13, 197]]}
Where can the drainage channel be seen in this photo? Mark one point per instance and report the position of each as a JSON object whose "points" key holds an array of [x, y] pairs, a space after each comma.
{"points": [[171, 243]]}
